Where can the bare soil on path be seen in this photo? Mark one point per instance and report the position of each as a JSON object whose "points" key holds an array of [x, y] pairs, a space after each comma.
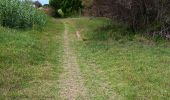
{"points": [[71, 82]]}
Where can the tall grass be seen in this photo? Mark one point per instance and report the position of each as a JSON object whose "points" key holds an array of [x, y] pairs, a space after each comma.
{"points": [[20, 14]]}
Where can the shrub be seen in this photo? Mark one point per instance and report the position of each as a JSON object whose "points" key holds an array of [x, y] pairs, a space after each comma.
{"points": [[68, 7], [48, 10], [139, 15], [20, 14], [60, 12]]}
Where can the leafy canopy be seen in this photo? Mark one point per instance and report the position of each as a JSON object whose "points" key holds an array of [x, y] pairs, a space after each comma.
{"points": [[67, 6]]}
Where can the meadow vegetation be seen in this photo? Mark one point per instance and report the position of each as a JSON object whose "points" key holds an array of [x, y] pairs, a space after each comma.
{"points": [[20, 14], [30, 59], [137, 67], [114, 55], [30, 62]]}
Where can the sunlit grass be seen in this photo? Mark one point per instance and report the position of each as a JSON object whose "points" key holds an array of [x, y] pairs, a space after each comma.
{"points": [[137, 67], [30, 62]]}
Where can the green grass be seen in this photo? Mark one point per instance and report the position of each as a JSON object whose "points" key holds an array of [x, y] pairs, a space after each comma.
{"points": [[136, 67], [113, 58], [30, 62]]}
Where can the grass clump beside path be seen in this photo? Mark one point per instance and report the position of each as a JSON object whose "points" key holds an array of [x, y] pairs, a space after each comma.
{"points": [[30, 62], [20, 14], [136, 67]]}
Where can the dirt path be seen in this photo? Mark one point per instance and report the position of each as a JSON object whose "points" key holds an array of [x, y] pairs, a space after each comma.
{"points": [[71, 82]]}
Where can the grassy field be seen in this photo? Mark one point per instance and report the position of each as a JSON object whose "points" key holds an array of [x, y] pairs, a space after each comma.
{"points": [[30, 62], [134, 66], [114, 63]]}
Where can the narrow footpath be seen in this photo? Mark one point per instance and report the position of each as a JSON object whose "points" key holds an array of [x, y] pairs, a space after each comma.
{"points": [[71, 83]]}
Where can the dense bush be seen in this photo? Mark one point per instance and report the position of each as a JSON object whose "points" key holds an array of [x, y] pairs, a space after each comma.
{"points": [[150, 15], [20, 14], [68, 7]]}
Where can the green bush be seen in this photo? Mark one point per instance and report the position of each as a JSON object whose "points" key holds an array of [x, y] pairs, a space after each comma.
{"points": [[68, 7], [20, 14]]}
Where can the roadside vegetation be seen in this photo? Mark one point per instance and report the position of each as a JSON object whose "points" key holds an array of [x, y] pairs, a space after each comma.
{"points": [[135, 66]]}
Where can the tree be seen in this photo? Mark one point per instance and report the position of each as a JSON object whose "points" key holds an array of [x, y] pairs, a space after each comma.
{"points": [[150, 15], [37, 4], [67, 6]]}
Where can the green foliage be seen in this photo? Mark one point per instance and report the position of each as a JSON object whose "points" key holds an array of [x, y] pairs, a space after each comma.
{"points": [[20, 14], [60, 12], [68, 7], [30, 62], [87, 3], [137, 14]]}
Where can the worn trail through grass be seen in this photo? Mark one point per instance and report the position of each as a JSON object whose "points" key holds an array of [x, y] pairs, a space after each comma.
{"points": [[74, 81], [71, 81], [75, 59]]}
